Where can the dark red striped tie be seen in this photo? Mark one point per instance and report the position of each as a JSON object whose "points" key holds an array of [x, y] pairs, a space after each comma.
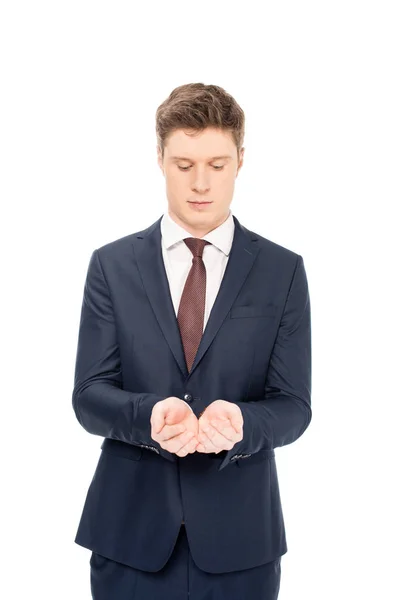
{"points": [[192, 303]]}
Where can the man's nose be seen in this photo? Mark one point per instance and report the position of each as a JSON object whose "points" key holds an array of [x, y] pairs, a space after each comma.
{"points": [[201, 182], [201, 185]]}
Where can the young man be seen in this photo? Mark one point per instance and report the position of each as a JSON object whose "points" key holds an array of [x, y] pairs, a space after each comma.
{"points": [[194, 363]]}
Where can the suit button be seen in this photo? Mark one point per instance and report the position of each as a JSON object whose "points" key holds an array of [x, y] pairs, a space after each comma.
{"points": [[188, 397]]}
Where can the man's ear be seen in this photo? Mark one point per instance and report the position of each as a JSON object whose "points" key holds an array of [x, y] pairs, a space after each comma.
{"points": [[159, 159], [240, 164]]}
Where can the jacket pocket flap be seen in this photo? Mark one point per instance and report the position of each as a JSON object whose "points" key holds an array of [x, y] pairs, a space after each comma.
{"points": [[122, 449]]}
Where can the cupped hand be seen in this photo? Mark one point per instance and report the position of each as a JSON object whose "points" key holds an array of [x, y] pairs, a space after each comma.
{"points": [[174, 426], [220, 427]]}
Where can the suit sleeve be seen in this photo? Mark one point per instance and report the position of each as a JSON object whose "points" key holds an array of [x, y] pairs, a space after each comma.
{"points": [[101, 406], [284, 412]]}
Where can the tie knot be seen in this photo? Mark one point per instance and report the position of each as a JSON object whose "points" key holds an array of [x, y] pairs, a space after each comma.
{"points": [[196, 245]]}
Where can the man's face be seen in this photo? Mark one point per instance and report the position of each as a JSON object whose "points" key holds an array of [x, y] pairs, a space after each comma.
{"points": [[193, 175]]}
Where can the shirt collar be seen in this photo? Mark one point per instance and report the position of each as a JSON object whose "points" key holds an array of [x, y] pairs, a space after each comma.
{"points": [[221, 237]]}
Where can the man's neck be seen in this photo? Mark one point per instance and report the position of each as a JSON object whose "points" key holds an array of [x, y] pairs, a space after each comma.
{"points": [[198, 233]]}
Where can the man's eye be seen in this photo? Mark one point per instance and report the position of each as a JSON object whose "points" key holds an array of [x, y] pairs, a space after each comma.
{"points": [[217, 168]]}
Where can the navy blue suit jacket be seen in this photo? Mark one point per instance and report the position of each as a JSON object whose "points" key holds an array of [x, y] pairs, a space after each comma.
{"points": [[255, 352]]}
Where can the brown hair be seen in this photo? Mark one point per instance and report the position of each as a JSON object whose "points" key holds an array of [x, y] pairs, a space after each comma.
{"points": [[197, 106]]}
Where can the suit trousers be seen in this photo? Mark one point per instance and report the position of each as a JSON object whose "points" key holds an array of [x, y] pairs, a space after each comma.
{"points": [[181, 579]]}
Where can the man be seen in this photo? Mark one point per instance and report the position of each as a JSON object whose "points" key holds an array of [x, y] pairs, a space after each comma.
{"points": [[194, 363]]}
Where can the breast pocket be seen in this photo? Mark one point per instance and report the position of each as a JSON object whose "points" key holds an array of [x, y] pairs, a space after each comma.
{"points": [[249, 311]]}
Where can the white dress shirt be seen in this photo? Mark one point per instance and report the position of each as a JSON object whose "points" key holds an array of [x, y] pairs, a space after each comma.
{"points": [[178, 258]]}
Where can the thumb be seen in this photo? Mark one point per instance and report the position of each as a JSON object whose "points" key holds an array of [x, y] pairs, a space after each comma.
{"points": [[237, 424], [236, 420], [158, 419]]}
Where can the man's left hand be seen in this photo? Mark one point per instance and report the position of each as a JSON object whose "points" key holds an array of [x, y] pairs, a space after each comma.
{"points": [[220, 427]]}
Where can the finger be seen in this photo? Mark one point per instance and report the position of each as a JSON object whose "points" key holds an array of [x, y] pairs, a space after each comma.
{"points": [[206, 448], [226, 429], [200, 447], [211, 439], [185, 442], [216, 438], [189, 448], [237, 425], [235, 420], [157, 423], [170, 431], [192, 444]]}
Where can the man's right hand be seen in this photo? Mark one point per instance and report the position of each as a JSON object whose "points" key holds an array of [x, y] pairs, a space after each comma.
{"points": [[174, 426]]}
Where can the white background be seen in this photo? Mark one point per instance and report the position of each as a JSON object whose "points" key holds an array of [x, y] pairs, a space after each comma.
{"points": [[319, 84]]}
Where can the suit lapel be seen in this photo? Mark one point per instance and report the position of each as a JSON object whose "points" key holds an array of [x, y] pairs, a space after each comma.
{"points": [[148, 253]]}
